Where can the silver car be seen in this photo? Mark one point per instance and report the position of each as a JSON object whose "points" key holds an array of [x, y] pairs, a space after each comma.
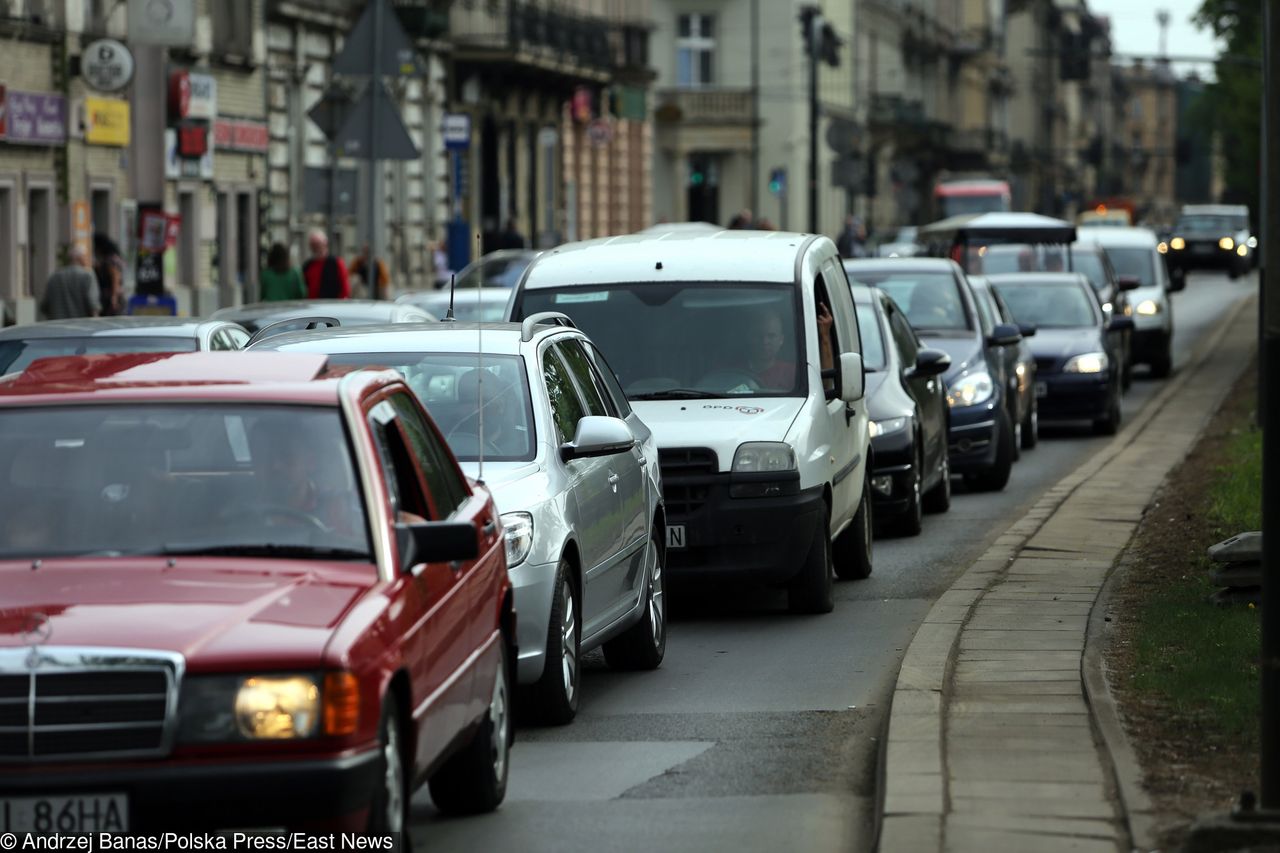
{"points": [[574, 472]]}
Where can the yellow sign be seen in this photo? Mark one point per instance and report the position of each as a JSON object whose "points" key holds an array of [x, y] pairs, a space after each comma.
{"points": [[106, 121], [82, 227]]}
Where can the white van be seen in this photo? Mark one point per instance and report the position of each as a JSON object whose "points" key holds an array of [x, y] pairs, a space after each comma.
{"points": [[1134, 252], [715, 338]]}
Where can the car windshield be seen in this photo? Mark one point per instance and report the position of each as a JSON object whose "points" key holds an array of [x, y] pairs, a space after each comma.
{"points": [[872, 340], [449, 385], [103, 480], [1020, 257], [502, 271], [1214, 223], [15, 355], [688, 339], [1049, 306], [1136, 261], [931, 299]]}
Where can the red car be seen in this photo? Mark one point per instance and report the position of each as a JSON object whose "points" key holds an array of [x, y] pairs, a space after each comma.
{"points": [[235, 602]]}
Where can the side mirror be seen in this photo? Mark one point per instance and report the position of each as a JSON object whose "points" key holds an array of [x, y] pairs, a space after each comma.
{"points": [[931, 362], [852, 382], [436, 542], [1120, 323], [1129, 282], [598, 436], [1005, 335], [1028, 329]]}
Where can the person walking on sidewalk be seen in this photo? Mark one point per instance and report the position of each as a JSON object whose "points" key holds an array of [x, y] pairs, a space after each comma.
{"points": [[72, 291], [280, 279], [325, 274], [360, 269]]}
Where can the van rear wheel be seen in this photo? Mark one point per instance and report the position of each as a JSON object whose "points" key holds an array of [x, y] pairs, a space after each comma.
{"points": [[853, 547]]}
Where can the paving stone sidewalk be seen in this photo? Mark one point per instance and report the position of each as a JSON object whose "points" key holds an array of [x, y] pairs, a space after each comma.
{"points": [[992, 743]]}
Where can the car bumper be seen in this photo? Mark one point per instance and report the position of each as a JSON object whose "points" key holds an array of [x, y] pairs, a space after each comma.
{"points": [[751, 539], [972, 438], [1149, 345], [1213, 258], [1079, 396], [534, 587], [329, 793], [892, 473]]}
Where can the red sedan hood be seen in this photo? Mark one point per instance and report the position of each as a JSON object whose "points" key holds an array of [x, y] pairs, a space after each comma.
{"points": [[215, 612]]}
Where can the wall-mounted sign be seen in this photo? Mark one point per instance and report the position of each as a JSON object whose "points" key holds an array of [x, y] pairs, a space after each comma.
{"points": [[34, 118], [107, 65], [165, 22], [456, 130], [3, 112], [176, 166], [192, 95], [106, 121], [193, 141], [246, 135], [82, 226]]}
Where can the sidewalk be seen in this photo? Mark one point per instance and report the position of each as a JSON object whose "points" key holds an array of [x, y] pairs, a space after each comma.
{"points": [[996, 742]]}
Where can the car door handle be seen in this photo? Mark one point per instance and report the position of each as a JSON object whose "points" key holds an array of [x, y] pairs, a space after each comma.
{"points": [[489, 527], [613, 481]]}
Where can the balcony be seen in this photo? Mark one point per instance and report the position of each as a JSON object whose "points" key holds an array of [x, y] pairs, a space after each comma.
{"points": [[715, 106], [534, 36]]}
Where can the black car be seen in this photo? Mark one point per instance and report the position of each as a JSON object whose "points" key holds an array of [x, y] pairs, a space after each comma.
{"points": [[1020, 361], [907, 408], [1077, 364], [984, 418], [1210, 236]]}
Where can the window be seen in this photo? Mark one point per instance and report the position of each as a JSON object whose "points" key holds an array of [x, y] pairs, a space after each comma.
{"points": [[609, 379], [873, 356], [232, 27], [403, 483], [594, 394], [986, 312], [448, 489], [566, 408], [904, 337], [830, 365], [695, 50]]}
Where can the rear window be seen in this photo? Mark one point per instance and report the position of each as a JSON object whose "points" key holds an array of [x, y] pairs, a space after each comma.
{"points": [[931, 300], [16, 355]]}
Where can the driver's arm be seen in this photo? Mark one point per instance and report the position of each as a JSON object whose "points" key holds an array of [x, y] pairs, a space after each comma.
{"points": [[826, 354]]}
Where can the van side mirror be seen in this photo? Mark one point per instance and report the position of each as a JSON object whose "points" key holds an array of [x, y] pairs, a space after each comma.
{"points": [[436, 542], [930, 362], [1028, 329], [598, 436], [1005, 335], [852, 382]]}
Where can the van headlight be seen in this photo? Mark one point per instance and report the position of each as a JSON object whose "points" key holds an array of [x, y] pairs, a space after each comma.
{"points": [[1089, 362], [1177, 244], [885, 427], [1227, 244], [756, 457], [1148, 307], [971, 389], [517, 537]]}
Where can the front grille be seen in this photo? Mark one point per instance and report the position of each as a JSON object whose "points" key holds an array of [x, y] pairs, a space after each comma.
{"points": [[1046, 365], [685, 473], [85, 704]]}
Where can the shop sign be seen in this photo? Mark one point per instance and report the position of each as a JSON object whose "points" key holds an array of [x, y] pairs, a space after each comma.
{"points": [[106, 121], [192, 95], [176, 166], [35, 118], [107, 65], [241, 135]]}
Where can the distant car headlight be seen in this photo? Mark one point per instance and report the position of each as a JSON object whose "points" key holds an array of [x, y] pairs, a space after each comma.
{"points": [[1242, 250], [1252, 242], [971, 389], [1162, 247], [1148, 307], [885, 427], [760, 457], [1226, 243], [1177, 244], [517, 537], [1089, 362]]}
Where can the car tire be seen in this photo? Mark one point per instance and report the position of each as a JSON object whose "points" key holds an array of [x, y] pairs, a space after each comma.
{"points": [[938, 499], [996, 477], [475, 780], [1109, 424], [389, 809], [852, 551], [813, 589], [643, 644], [1031, 427], [1126, 374], [912, 521], [553, 698]]}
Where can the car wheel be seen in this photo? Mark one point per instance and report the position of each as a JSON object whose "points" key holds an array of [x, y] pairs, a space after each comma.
{"points": [[388, 813], [997, 476], [853, 547], [1017, 440], [938, 499], [1109, 424], [912, 521], [813, 589], [475, 780], [1030, 435], [553, 698], [644, 644], [1126, 375]]}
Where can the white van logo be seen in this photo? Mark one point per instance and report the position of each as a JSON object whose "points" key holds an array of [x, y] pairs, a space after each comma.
{"points": [[742, 410]]}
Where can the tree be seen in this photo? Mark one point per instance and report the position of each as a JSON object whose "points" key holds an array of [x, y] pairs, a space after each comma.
{"points": [[1233, 102]]}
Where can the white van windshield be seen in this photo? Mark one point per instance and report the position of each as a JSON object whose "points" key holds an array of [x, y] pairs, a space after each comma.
{"points": [[688, 340]]}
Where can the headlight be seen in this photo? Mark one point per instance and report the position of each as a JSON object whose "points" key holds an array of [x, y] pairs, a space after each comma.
{"points": [[230, 708], [1177, 244], [1108, 307], [517, 537], [764, 456], [1090, 362], [1226, 243], [1242, 250], [971, 390], [1148, 307], [1162, 247], [278, 708], [886, 427], [1253, 242]]}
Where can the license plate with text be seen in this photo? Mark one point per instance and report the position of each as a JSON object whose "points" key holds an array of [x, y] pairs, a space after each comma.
{"points": [[675, 536], [80, 813]]}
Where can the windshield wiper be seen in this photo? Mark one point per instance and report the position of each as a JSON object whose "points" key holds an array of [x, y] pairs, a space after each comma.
{"points": [[679, 394], [258, 549]]}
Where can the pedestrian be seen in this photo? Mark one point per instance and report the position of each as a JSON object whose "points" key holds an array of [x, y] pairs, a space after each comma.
{"points": [[280, 279], [744, 219], [324, 274], [440, 265], [108, 268], [851, 243], [72, 291], [764, 224], [360, 269]]}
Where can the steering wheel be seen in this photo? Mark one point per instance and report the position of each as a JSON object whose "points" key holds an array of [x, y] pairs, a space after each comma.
{"points": [[269, 510], [719, 380]]}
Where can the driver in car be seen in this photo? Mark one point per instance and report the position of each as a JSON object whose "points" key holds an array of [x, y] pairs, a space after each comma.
{"points": [[503, 434], [286, 461], [770, 372]]}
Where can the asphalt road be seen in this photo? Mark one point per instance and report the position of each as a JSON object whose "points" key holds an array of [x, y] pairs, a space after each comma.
{"points": [[759, 732]]}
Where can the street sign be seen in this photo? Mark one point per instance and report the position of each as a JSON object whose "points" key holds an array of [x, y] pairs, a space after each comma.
{"points": [[843, 135], [106, 65], [389, 140], [388, 53], [330, 112], [456, 130]]}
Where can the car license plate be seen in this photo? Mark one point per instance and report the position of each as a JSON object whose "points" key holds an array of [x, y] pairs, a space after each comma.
{"points": [[80, 813], [1042, 389], [1202, 249], [675, 536]]}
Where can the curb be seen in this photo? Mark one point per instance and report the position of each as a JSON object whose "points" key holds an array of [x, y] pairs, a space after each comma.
{"points": [[916, 795]]}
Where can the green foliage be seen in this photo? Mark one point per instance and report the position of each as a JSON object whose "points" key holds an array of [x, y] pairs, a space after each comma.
{"points": [[1235, 501]]}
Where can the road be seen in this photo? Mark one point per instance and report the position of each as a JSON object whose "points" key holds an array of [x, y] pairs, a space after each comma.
{"points": [[759, 732]]}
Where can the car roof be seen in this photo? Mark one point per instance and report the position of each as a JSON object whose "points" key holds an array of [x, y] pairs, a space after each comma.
{"points": [[152, 377], [154, 327], [1040, 279], [300, 307], [904, 264], [1119, 237], [434, 297], [1225, 209], [496, 338], [671, 256]]}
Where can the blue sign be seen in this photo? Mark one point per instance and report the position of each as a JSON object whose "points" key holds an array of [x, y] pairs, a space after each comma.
{"points": [[456, 129], [778, 181], [150, 305]]}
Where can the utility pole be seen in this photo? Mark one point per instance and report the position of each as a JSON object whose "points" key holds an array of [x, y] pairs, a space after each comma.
{"points": [[1270, 351], [755, 107], [812, 43]]}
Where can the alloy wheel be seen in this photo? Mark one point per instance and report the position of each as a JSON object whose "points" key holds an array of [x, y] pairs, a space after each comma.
{"points": [[569, 643], [393, 780], [499, 723], [657, 604]]}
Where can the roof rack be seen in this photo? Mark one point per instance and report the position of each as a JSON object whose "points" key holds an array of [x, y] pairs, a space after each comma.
{"points": [[546, 318], [280, 326]]}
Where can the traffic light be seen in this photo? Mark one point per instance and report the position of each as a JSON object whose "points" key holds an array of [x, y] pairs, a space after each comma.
{"points": [[697, 177], [828, 46], [807, 14], [778, 181]]}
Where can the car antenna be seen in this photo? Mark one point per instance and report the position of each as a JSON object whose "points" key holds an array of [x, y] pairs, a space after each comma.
{"points": [[453, 280], [479, 376]]}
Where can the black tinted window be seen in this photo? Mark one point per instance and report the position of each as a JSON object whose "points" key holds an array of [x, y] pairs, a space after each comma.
{"points": [[448, 489], [594, 394]]}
